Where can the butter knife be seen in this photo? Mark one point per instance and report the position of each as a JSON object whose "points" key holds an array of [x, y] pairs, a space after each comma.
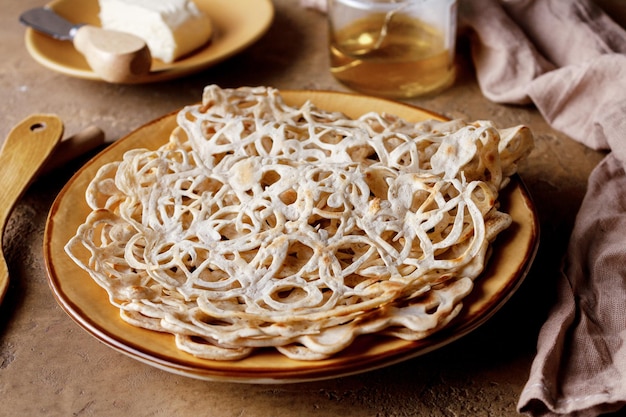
{"points": [[116, 57]]}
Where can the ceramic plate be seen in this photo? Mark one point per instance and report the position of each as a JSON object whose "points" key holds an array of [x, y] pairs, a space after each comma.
{"points": [[237, 24], [88, 304]]}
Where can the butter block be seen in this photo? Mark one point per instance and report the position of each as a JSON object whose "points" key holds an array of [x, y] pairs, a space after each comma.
{"points": [[171, 28]]}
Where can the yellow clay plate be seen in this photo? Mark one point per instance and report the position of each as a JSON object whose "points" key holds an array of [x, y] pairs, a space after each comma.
{"points": [[88, 304], [236, 24]]}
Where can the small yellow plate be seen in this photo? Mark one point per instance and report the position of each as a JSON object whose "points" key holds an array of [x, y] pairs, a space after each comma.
{"points": [[237, 24], [88, 304]]}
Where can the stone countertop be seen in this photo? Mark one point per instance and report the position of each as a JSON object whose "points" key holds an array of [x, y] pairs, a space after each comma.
{"points": [[50, 366]]}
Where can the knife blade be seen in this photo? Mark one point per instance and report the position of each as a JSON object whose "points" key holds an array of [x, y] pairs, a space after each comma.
{"points": [[45, 20]]}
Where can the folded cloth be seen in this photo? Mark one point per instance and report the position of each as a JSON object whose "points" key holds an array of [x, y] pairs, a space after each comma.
{"points": [[580, 367], [567, 57]]}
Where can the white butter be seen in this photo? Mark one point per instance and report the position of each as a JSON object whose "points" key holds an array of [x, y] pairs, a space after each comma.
{"points": [[171, 28]]}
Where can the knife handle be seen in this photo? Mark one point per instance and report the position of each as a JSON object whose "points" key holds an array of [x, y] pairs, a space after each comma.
{"points": [[116, 57]]}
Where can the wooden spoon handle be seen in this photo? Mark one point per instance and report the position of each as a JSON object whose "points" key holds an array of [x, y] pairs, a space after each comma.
{"points": [[116, 57], [24, 151]]}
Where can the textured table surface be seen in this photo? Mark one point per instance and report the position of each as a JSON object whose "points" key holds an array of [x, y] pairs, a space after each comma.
{"points": [[50, 366]]}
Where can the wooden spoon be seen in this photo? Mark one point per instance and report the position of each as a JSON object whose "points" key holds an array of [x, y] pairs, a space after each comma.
{"points": [[22, 155]]}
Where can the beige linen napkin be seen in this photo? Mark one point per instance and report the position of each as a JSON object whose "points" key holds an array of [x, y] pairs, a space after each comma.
{"points": [[567, 57]]}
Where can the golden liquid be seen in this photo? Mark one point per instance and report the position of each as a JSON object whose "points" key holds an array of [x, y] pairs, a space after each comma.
{"points": [[400, 58]]}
